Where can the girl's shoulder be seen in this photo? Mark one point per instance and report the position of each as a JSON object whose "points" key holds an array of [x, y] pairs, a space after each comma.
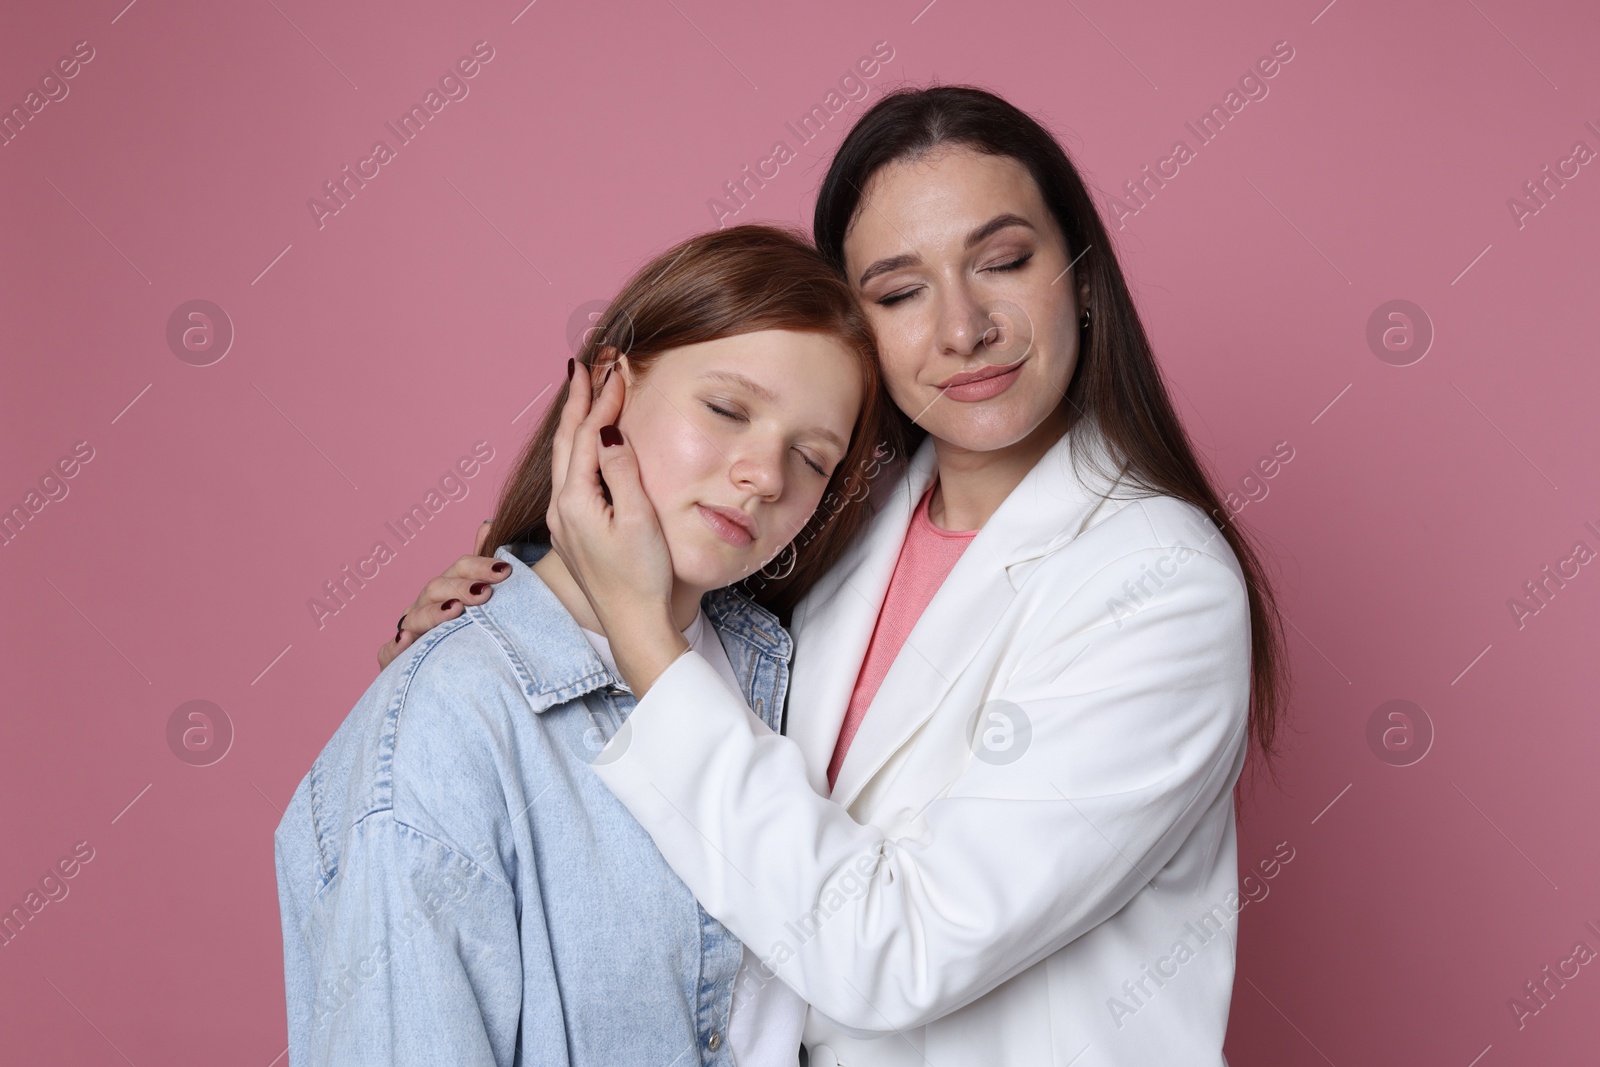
{"points": [[421, 745]]}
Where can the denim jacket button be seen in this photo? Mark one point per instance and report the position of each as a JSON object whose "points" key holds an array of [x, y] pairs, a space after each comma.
{"points": [[715, 1041]]}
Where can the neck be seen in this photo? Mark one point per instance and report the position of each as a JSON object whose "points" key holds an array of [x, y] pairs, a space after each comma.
{"points": [[552, 570], [972, 485]]}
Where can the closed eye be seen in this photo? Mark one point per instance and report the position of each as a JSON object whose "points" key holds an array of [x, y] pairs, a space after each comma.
{"points": [[895, 298], [1014, 264], [740, 418]]}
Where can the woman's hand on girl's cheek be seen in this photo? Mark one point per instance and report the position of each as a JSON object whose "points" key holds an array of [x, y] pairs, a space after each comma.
{"points": [[469, 580], [615, 550]]}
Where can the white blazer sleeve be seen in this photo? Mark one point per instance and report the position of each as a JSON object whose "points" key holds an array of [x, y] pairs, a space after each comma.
{"points": [[1137, 719]]}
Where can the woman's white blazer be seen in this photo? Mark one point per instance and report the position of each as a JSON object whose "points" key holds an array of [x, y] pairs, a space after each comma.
{"points": [[1029, 856]]}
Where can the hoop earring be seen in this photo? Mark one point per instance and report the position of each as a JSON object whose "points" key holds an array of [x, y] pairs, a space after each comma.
{"points": [[786, 568], [1083, 323]]}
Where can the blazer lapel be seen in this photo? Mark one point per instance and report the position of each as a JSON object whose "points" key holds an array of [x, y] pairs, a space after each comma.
{"points": [[834, 622], [1047, 509]]}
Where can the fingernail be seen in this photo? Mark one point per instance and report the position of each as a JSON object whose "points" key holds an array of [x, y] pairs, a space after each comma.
{"points": [[448, 604], [571, 363], [477, 587], [610, 435], [501, 567]]}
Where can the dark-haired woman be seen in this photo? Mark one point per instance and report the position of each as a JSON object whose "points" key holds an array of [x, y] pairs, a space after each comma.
{"points": [[997, 826], [456, 886]]}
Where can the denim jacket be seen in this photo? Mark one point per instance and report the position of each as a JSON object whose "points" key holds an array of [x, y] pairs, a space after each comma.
{"points": [[456, 885]]}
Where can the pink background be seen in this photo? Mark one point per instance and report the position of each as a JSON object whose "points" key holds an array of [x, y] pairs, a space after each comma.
{"points": [[432, 312]]}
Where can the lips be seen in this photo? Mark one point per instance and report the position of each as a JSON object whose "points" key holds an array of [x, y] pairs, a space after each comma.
{"points": [[974, 387], [979, 375], [732, 524]]}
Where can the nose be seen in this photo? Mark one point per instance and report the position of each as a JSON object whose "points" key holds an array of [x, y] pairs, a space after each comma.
{"points": [[963, 324], [758, 468]]}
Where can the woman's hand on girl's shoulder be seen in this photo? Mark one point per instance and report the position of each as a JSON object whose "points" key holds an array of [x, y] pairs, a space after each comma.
{"points": [[469, 580]]}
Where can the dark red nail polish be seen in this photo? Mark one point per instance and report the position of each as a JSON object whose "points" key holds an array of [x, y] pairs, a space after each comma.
{"points": [[571, 363], [477, 587], [610, 435], [501, 567], [448, 604]]}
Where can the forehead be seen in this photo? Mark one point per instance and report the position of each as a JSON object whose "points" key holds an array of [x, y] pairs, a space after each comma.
{"points": [[946, 191], [752, 350], [796, 368]]}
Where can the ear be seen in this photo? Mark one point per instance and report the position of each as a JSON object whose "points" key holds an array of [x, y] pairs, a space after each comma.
{"points": [[631, 380], [605, 358], [609, 359]]}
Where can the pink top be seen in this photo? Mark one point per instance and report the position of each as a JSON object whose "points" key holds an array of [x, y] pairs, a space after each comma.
{"points": [[926, 559]]}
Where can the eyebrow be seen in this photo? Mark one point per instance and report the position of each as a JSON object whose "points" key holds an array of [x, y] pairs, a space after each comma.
{"points": [[906, 259], [757, 389]]}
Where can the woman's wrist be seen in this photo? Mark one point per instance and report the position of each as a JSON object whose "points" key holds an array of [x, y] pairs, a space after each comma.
{"points": [[644, 647]]}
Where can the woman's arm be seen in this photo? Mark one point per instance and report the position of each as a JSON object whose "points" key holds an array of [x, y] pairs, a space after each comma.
{"points": [[1138, 729]]}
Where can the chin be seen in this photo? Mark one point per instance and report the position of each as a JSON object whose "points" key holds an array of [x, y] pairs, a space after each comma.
{"points": [[986, 431], [701, 566]]}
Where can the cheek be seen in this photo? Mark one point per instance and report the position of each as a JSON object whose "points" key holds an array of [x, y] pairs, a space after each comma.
{"points": [[796, 513], [1055, 334], [898, 360], [902, 338], [674, 456]]}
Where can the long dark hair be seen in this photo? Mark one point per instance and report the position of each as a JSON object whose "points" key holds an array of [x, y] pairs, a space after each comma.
{"points": [[1116, 382], [720, 284]]}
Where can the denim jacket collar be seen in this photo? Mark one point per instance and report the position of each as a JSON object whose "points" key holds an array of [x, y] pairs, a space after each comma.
{"points": [[555, 663]]}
